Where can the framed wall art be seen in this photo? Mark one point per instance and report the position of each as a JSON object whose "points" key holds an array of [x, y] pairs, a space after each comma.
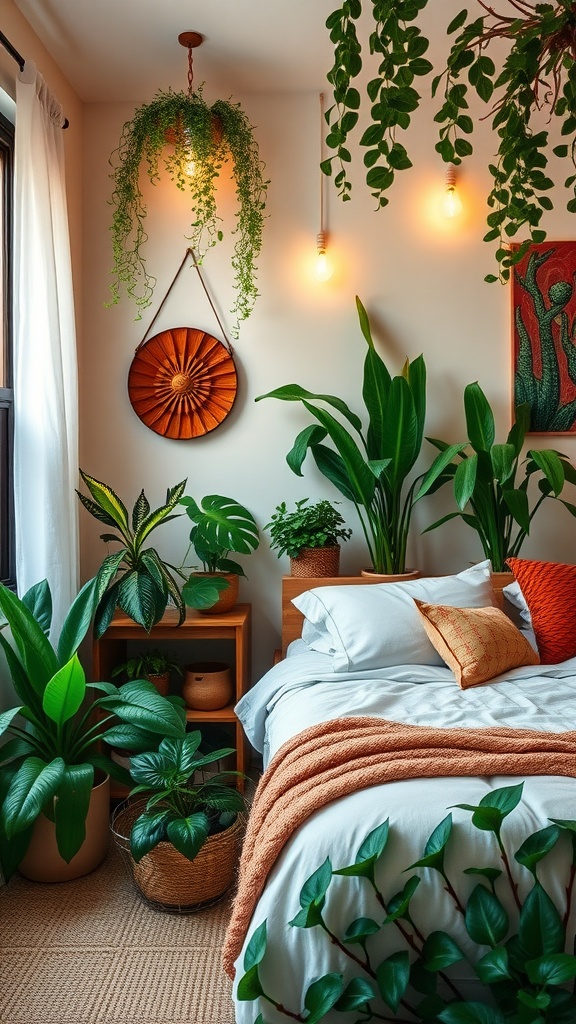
{"points": [[544, 336]]}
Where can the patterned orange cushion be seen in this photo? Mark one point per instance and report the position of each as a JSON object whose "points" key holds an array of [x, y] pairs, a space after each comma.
{"points": [[549, 589], [476, 643]]}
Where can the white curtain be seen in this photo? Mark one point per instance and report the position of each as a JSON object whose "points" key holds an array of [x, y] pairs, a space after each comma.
{"points": [[45, 368]]}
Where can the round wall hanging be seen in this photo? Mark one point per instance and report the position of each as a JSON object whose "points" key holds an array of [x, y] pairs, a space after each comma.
{"points": [[182, 383]]}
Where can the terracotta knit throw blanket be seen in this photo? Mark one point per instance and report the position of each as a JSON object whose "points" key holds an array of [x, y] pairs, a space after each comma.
{"points": [[338, 757]]}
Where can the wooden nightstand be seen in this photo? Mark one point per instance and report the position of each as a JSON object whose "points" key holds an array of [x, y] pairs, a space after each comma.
{"points": [[111, 650]]}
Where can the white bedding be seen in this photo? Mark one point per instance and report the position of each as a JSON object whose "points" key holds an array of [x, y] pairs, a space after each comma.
{"points": [[304, 690]]}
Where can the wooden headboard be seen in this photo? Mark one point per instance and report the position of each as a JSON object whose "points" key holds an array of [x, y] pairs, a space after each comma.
{"points": [[293, 585]]}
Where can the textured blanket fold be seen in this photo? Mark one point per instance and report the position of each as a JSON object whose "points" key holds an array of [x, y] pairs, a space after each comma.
{"points": [[338, 757]]}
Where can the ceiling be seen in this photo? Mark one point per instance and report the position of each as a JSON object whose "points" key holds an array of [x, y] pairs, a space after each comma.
{"points": [[125, 50]]}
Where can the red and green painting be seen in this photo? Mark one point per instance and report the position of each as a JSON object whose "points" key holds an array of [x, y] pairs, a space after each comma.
{"points": [[544, 310]]}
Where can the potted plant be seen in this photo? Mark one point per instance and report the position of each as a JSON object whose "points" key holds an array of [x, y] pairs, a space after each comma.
{"points": [[370, 466], [183, 837], [221, 525], [533, 67], [193, 142], [309, 535], [135, 578], [53, 774], [154, 665], [491, 480]]}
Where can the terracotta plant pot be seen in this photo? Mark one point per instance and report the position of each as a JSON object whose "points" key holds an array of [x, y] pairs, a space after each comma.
{"points": [[316, 562], [161, 681], [228, 598], [43, 863], [208, 685]]}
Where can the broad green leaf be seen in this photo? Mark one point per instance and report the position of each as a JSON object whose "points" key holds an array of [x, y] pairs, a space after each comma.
{"points": [[440, 951], [295, 393], [65, 692], [465, 480], [223, 525], [479, 418], [34, 649], [38, 600], [321, 996], [493, 967], [33, 785], [5, 720], [256, 947], [112, 509], [393, 975], [148, 830], [471, 1013], [552, 467], [540, 928], [357, 993], [71, 808], [188, 834], [159, 515], [435, 847], [536, 846], [201, 592], [315, 887], [553, 969], [486, 919], [77, 621], [399, 905], [140, 704], [360, 930], [249, 987], [368, 853]]}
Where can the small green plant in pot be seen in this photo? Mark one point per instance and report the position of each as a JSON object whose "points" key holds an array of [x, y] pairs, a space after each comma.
{"points": [[491, 481], [154, 665], [181, 812], [135, 578], [220, 525], [48, 767], [309, 533], [370, 466]]}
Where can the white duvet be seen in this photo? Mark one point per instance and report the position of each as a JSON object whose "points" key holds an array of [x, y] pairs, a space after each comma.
{"points": [[302, 691]]}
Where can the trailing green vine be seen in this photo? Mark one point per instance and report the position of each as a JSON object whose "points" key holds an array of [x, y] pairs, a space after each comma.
{"points": [[536, 78], [163, 134], [518, 954]]}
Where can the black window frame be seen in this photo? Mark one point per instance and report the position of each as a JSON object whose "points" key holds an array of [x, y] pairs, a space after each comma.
{"points": [[7, 542]]}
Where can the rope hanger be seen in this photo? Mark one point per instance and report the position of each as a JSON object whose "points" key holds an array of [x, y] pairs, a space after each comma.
{"points": [[189, 252]]}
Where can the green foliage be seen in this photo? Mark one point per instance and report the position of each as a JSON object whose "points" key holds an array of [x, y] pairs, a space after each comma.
{"points": [[178, 809], [369, 467], [134, 578], [221, 525], [493, 479], [309, 526], [212, 135], [537, 70], [48, 766], [518, 958], [147, 663]]}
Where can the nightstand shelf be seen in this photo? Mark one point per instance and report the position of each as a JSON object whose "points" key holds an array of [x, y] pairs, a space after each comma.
{"points": [[234, 626]]}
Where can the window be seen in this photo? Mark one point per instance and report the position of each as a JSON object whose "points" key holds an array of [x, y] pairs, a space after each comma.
{"points": [[7, 564]]}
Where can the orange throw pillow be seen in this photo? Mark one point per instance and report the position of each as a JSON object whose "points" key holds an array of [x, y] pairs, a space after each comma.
{"points": [[549, 589], [476, 643]]}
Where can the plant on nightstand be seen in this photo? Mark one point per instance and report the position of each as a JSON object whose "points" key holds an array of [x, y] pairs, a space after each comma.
{"points": [[309, 535], [220, 525], [154, 665], [183, 837]]}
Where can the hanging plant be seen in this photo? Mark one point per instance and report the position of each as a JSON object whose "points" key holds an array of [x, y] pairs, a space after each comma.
{"points": [[180, 133], [537, 77]]}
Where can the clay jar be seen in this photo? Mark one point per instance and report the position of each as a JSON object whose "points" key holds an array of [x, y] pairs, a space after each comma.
{"points": [[207, 685]]}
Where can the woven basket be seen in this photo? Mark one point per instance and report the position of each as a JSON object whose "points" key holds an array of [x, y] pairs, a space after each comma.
{"points": [[316, 562], [170, 881]]}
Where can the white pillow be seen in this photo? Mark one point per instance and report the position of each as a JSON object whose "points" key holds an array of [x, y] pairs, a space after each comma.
{"points": [[378, 625], [514, 595]]}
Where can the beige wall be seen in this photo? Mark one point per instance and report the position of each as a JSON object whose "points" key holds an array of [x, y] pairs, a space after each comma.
{"points": [[421, 279]]}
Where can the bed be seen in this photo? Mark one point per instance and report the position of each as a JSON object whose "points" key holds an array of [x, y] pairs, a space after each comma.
{"points": [[365, 705]]}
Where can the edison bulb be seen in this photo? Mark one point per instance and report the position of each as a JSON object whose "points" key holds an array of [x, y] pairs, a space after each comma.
{"points": [[451, 202], [323, 268]]}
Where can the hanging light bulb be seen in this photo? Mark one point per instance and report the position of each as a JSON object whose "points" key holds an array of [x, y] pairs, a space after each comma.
{"points": [[451, 204], [323, 269]]}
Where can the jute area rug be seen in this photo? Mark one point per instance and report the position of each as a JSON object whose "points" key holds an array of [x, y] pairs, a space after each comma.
{"points": [[92, 952]]}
